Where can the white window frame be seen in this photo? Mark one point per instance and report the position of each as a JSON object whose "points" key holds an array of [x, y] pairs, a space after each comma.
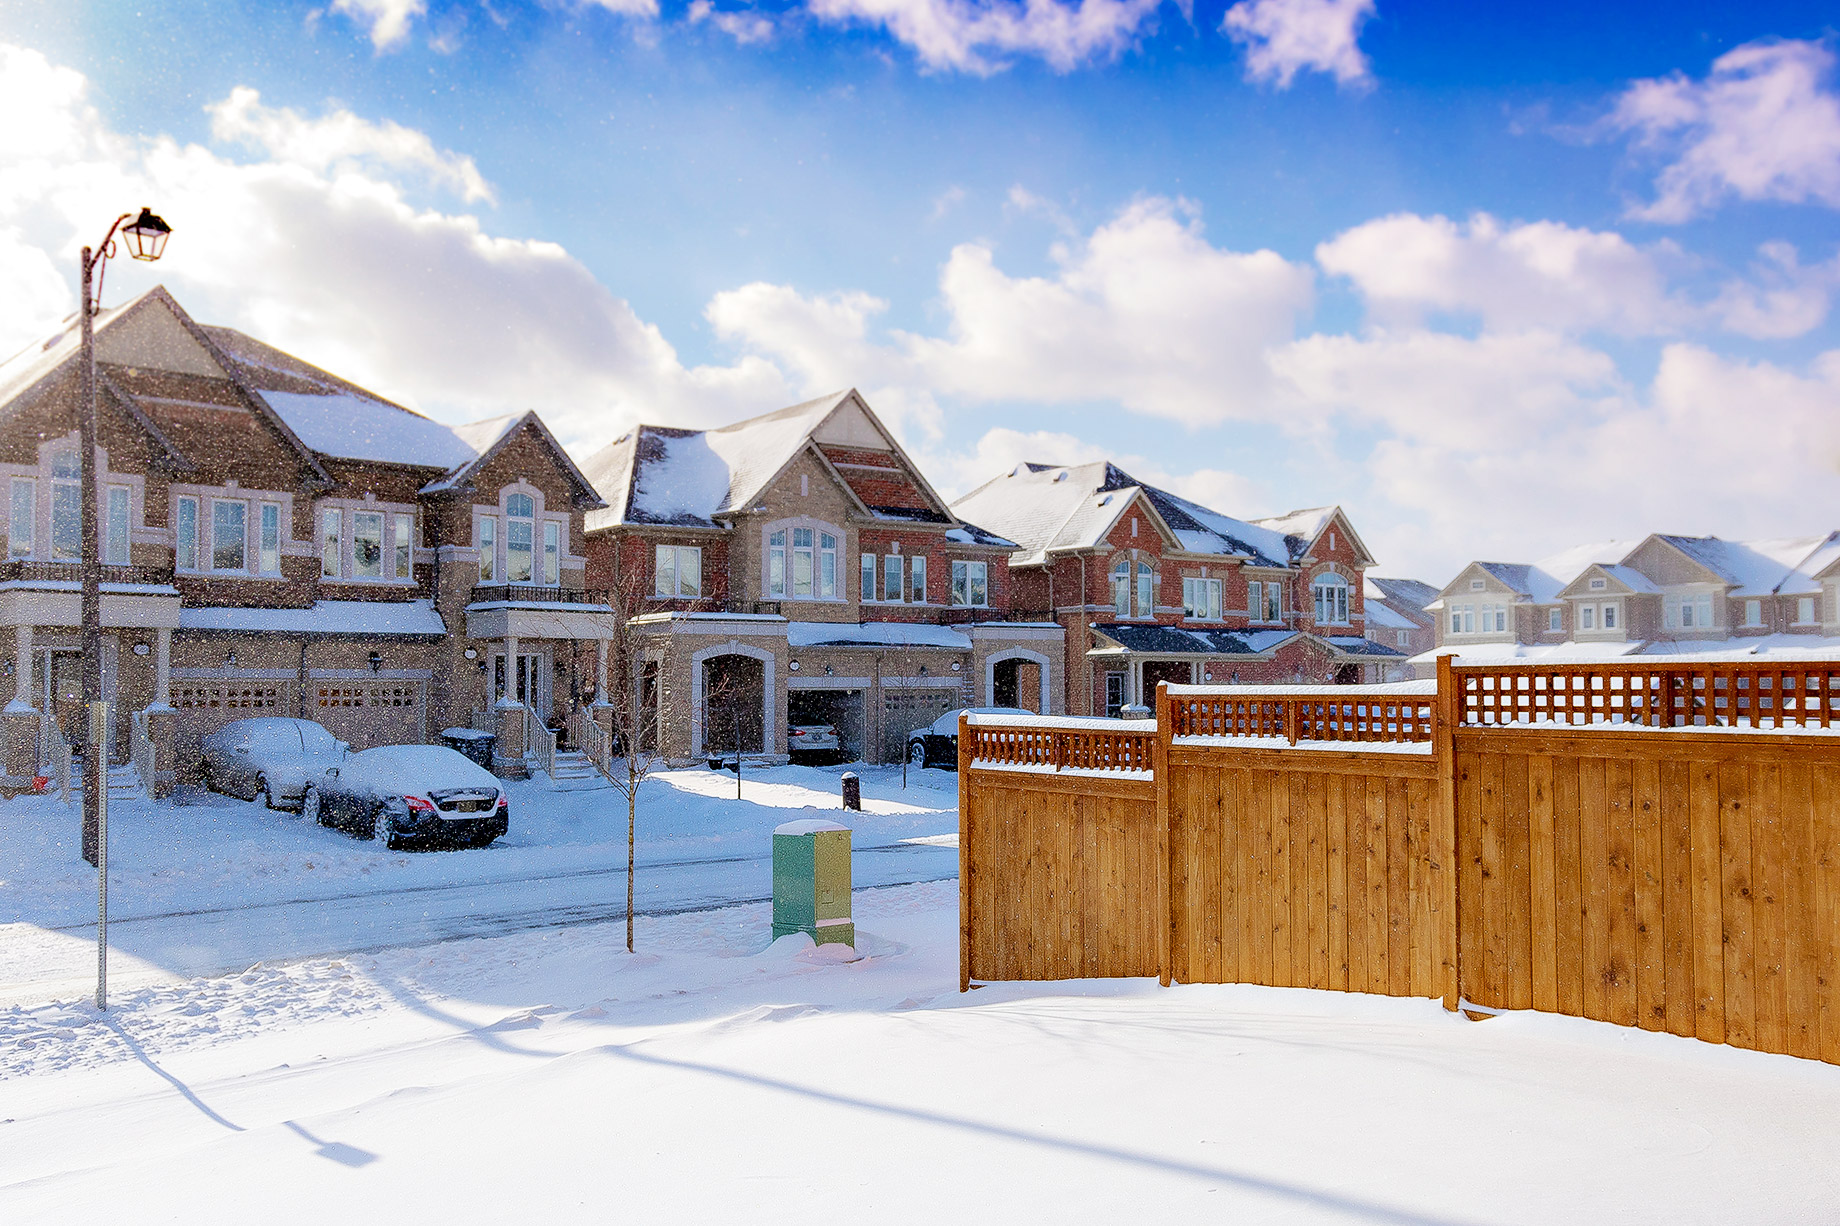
{"points": [[1200, 598], [1329, 592], [1587, 617], [22, 530], [969, 578], [241, 506], [1121, 586], [185, 542], [916, 578], [118, 501], [894, 575], [72, 488], [552, 555], [1145, 588], [1608, 619], [1555, 621], [357, 568], [676, 554], [866, 580], [513, 522], [818, 551], [487, 545], [331, 543], [1806, 611], [402, 547], [264, 511]]}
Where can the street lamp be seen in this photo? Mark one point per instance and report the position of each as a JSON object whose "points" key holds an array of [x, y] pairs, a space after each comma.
{"points": [[146, 237]]}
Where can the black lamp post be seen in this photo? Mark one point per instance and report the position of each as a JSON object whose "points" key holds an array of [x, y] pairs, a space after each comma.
{"points": [[146, 237]]}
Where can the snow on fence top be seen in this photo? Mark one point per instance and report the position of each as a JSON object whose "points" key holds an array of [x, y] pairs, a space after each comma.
{"points": [[1658, 694], [1393, 688]]}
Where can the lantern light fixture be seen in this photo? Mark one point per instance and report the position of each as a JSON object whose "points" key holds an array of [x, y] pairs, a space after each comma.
{"points": [[146, 235]]}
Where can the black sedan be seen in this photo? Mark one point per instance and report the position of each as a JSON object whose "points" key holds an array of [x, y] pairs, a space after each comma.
{"points": [[410, 794], [937, 743]]}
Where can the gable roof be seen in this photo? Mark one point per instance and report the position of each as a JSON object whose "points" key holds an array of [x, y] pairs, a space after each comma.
{"points": [[1752, 568], [1301, 529], [1541, 582], [1049, 508], [1405, 596], [485, 439], [1822, 562]]}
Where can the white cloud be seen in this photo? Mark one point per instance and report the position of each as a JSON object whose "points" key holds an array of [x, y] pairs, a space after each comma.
{"points": [[332, 262], [1542, 274], [983, 36], [1285, 37], [624, 8], [388, 20], [1763, 125], [1785, 299], [745, 26], [340, 141]]}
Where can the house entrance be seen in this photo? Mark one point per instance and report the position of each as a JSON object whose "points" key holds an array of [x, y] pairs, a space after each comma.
{"points": [[1016, 683], [733, 690], [529, 682], [1175, 672]]}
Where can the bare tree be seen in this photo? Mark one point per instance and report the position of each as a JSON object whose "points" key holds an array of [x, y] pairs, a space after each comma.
{"points": [[632, 700], [730, 699]]}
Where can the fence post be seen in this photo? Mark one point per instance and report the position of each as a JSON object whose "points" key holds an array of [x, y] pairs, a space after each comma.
{"points": [[1290, 718], [1444, 716], [1159, 768], [965, 866]]}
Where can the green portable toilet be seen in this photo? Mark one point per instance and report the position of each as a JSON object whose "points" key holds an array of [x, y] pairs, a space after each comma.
{"points": [[811, 882]]}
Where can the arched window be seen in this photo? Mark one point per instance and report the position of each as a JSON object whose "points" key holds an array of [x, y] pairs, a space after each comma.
{"points": [[1331, 595], [802, 563], [1146, 584], [1121, 587], [520, 537]]}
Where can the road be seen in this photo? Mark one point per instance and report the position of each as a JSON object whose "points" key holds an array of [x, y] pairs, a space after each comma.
{"points": [[41, 964]]}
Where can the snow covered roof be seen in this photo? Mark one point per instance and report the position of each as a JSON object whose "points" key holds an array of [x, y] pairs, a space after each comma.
{"points": [[484, 438], [1541, 582], [1151, 639], [1753, 568], [1300, 529], [874, 634], [1805, 579], [1047, 507], [1549, 653], [1356, 645], [410, 617], [1783, 646], [1406, 597], [1381, 615]]}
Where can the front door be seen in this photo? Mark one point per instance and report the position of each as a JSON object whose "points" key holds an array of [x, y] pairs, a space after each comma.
{"points": [[64, 694], [529, 682]]}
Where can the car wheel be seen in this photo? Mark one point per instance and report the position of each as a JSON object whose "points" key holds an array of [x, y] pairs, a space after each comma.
{"points": [[310, 806], [916, 753], [263, 796], [383, 828]]}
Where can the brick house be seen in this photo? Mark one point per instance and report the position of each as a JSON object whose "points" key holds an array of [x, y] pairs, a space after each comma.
{"points": [[277, 540], [797, 568], [1152, 587], [1397, 618], [1661, 595]]}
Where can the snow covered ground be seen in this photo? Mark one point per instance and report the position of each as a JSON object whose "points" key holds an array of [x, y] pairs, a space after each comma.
{"points": [[212, 884], [549, 1076]]}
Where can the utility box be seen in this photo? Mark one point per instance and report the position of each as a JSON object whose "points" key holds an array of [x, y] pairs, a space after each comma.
{"points": [[811, 882]]}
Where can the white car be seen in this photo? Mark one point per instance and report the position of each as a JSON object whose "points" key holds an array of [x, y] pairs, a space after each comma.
{"points": [[813, 740], [268, 759]]}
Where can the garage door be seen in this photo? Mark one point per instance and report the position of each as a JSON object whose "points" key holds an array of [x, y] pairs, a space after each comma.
{"points": [[905, 710], [368, 713], [207, 705]]}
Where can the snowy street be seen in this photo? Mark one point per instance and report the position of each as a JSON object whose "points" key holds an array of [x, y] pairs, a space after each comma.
{"points": [[214, 885], [549, 1075]]}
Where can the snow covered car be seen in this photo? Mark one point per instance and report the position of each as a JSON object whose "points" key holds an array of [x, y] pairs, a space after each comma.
{"points": [[813, 741], [268, 759], [937, 743], [404, 794]]}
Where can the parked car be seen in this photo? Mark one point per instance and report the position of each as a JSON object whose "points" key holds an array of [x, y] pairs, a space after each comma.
{"points": [[410, 794], [937, 743], [814, 741], [268, 759]]}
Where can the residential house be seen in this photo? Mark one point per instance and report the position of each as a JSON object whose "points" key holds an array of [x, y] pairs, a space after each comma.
{"points": [[1153, 587], [277, 540], [1397, 618], [797, 569], [1662, 595]]}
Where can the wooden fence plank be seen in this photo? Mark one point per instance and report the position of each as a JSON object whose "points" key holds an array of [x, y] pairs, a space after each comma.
{"points": [[1649, 879], [1619, 860], [1568, 882], [1229, 866], [1354, 806], [1278, 801], [1677, 896], [1594, 866], [1469, 875], [1740, 932], [1373, 805], [1767, 909], [1517, 881], [1801, 937], [1398, 905], [1422, 885], [1316, 803], [1825, 854], [1335, 828], [1257, 802], [1542, 847], [1493, 989], [1708, 903]]}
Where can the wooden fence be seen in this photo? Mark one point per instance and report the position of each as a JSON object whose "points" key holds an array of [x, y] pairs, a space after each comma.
{"points": [[1516, 838]]}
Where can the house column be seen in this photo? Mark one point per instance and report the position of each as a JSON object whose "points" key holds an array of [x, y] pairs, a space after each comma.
{"points": [[511, 660], [600, 672], [22, 666], [162, 667]]}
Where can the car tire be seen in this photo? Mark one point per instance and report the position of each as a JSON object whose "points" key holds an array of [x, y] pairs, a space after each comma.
{"points": [[310, 806], [383, 828], [263, 796], [916, 753]]}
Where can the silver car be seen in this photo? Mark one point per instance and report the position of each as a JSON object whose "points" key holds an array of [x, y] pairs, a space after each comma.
{"points": [[268, 759]]}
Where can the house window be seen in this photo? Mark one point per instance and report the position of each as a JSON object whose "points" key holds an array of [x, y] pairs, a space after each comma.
{"points": [[488, 547], [367, 545], [1609, 617], [1146, 585], [1598, 585], [552, 553], [115, 527], [1402, 638], [1201, 598], [229, 538], [1121, 586], [1690, 612], [1114, 694], [1501, 617], [893, 577], [520, 537], [1753, 612], [24, 511], [813, 564], [1469, 619], [1255, 600], [331, 533], [1330, 593], [405, 547], [969, 586], [1804, 610], [1475, 585], [269, 545], [1587, 617], [679, 571], [1274, 601], [185, 529], [66, 508], [868, 576], [1554, 621], [916, 577]]}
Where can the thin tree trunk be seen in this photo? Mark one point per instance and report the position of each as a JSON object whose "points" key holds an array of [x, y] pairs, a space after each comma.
{"points": [[632, 807]]}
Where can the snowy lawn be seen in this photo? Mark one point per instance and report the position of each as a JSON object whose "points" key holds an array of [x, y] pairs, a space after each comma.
{"points": [[211, 883], [551, 1076]]}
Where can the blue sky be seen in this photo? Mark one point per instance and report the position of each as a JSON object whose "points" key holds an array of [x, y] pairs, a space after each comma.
{"points": [[1500, 279]]}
